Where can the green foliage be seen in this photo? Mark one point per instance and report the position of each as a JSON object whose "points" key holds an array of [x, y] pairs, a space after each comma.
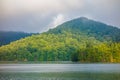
{"points": [[100, 53], [75, 57], [91, 28], [77, 40]]}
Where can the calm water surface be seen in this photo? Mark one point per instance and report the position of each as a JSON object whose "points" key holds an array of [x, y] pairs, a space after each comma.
{"points": [[59, 67], [59, 71]]}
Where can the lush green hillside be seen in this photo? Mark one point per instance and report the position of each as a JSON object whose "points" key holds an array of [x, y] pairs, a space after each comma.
{"points": [[80, 39], [8, 36], [92, 28]]}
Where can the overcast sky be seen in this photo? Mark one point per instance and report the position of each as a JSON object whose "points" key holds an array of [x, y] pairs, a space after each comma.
{"points": [[40, 15]]}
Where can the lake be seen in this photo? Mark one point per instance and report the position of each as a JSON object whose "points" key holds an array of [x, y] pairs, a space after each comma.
{"points": [[59, 71]]}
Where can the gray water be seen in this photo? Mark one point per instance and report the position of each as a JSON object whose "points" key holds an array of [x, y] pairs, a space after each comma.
{"points": [[59, 71], [60, 68]]}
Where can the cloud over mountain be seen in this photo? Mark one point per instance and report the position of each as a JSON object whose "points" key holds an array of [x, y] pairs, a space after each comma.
{"points": [[37, 15]]}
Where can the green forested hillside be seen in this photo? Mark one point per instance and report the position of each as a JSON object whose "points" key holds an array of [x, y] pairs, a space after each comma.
{"points": [[89, 27], [80, 39]]}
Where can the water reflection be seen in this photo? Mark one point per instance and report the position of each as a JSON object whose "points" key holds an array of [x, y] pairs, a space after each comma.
{"points": [[59, 67]]}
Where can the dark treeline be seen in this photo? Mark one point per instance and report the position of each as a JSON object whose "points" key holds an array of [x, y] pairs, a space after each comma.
{"points": [[8, 36]]}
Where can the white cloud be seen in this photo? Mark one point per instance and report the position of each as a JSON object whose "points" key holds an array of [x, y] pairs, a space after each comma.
{"points": [[40, 15], [59, 19], [15, 7]]}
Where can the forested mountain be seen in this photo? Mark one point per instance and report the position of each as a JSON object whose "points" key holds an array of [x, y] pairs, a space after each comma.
{"points": [[80, 39], [96, 29], [8, 36]]}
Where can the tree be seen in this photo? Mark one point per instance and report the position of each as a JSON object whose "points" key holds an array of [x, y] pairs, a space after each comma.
{"points": [[75, 57]]}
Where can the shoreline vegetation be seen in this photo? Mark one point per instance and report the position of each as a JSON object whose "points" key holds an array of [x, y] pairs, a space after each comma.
{"points": [[53, 62]]}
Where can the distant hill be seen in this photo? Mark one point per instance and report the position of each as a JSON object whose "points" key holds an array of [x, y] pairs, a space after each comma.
{"points": [[89, 27], [8, 36], [80, 39]]}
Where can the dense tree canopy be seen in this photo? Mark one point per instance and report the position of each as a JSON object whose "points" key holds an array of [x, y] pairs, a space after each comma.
{"points": [[77, 40]]}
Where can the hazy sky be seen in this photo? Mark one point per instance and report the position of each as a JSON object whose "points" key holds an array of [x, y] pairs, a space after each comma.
{"points": [[40, 15]]}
